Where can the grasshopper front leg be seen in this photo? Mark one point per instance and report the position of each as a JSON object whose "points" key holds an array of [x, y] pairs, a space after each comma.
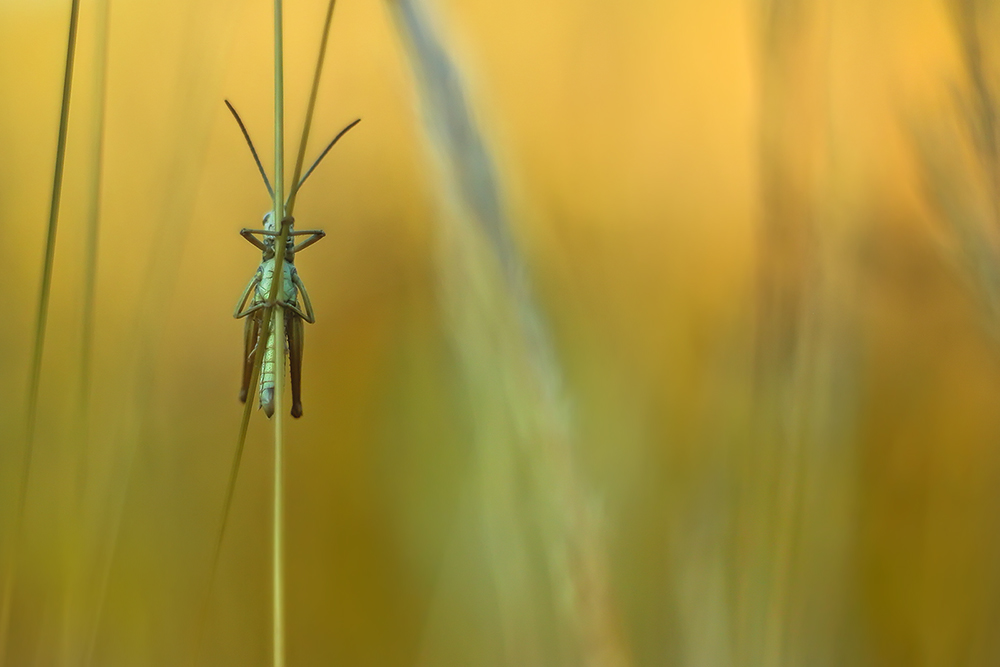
{"points": [[248, 234], [314, 235]]}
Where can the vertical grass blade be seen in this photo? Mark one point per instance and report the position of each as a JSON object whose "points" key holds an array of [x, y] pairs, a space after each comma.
{"points": [[94, 214], [313, 93], [485, 286], [799, 471], [278, 513], [34, 380], [82, 452], [241, 438], [277, 597], [972, 214], [268, 320], [961, 163], [786, 282]]}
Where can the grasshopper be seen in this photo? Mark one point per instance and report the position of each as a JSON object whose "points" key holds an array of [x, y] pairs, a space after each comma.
{"points": [[253, 302]]}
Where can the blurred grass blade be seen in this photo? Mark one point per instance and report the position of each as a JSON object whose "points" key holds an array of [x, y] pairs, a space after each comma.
{"points": [[94, 214], [40, 324], [451, 126], [81, 453], [972, 214], [310, 108], [799, 471], [509, 363], [171, 218]]}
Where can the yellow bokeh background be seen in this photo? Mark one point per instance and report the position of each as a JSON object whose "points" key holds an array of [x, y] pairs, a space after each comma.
{"points": [[667, 169]]}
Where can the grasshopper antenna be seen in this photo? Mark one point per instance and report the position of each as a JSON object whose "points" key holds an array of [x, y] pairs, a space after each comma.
{"points": [[246, 135], [321, 155]]}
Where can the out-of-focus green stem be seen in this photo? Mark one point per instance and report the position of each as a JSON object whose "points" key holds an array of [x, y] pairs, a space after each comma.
{"points": [[279, 334], [313, 93], [40, 325]]}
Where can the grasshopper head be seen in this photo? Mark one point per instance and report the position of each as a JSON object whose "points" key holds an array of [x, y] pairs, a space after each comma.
{"points": [[271, 241], [268, 222]]}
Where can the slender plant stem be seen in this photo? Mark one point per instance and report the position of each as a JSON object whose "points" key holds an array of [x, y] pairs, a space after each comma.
{"points": [[241, 438], [279, 121], [313, 93], [40, 324], [277, 597], [278, 561]]}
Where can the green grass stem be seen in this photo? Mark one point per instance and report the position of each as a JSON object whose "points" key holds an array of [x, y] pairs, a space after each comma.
{"points": [[277, 593], [313, 93], [278, 515], [40, 326]]}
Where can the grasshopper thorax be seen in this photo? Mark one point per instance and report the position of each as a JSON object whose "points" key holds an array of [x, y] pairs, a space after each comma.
{"points": [[270, 240]]}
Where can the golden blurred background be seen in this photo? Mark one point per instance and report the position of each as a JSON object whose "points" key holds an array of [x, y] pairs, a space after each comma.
{"points": [[647, 334]]}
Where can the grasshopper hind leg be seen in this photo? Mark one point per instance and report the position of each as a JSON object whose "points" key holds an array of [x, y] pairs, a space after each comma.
{"points": [[251, 331], [296, 338]]}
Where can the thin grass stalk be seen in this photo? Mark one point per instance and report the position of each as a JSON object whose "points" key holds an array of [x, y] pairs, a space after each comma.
{"points": [[241, 438], [40, 326], [278, 611], [278, 559], [160, 274], [278, 318], [268, 320], [310, 107]]}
